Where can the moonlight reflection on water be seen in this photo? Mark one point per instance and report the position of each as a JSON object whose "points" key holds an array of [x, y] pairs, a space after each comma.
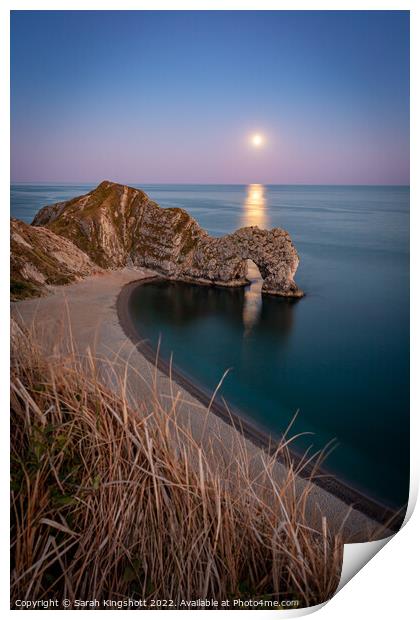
{"points": [[254, 214], [254, 211]]}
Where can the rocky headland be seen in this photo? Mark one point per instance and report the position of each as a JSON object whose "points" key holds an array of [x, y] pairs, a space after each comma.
{"points": [[116, 226], [39, 258]]}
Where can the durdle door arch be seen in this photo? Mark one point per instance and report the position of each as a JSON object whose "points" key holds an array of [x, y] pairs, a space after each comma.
{"points": [[273, 253], [116, 225]]}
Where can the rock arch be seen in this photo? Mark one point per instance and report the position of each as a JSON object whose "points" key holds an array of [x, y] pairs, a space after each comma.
{"points": [[223, 261], [275, 256], [117, 225]]}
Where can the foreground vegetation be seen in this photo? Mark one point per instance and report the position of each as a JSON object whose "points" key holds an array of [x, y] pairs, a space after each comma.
{"points": [[109, 502]]}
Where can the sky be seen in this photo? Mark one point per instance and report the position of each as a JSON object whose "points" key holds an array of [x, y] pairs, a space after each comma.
{"points": [[175, 96]]}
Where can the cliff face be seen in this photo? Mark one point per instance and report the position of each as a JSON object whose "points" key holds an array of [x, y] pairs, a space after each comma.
{"points": [[116, 225], [40, 258], [105, 223], [223, 260]]}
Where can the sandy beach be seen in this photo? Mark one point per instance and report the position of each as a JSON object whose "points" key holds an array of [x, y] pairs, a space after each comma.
{"points": [[96, 309]]}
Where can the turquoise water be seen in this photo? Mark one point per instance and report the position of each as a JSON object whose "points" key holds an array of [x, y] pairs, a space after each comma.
{"points": [[340, 355]]}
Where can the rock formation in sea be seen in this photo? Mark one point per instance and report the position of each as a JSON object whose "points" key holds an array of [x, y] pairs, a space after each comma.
{"points": [[40, 258], [118, 226]]}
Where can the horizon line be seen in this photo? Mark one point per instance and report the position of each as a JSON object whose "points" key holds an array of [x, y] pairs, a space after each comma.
{"points": [[305, 184]]}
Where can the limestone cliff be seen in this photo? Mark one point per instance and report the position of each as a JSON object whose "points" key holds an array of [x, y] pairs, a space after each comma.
{"points": [[40, 258], [117, 225]]}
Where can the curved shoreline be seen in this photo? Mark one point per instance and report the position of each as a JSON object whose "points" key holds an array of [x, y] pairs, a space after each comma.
{"points": [[323, 479]]}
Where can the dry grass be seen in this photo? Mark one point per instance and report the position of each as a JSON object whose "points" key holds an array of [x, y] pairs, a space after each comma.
{"points": [[110, 502]]}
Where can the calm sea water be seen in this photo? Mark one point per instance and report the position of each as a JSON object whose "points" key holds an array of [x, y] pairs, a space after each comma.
{"points": [[340, 355]]}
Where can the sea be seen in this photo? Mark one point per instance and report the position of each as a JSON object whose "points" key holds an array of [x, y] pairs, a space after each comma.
{"points": [[337, 360]]}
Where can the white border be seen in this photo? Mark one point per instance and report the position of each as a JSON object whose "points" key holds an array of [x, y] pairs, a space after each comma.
{"points": [[388, 585]]}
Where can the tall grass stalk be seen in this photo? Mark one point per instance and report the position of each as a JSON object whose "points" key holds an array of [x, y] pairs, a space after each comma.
{"points": [[111, 501]]}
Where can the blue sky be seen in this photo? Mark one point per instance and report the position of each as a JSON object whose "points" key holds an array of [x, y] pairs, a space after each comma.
{"points": [[159, 97]]}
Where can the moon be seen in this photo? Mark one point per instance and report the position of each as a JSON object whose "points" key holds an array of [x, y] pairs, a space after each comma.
{"points": [[257, 140]]}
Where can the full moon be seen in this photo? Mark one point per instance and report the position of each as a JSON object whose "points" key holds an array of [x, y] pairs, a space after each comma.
{"points": [[257, 140]]}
